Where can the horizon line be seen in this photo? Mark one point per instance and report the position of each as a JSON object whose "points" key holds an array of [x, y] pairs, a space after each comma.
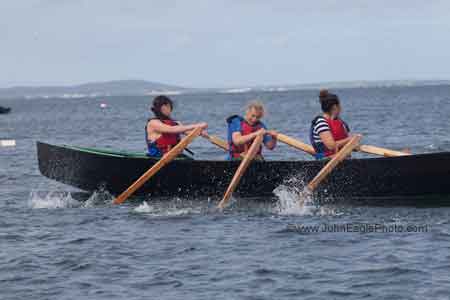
{"points": [[45, 85]]}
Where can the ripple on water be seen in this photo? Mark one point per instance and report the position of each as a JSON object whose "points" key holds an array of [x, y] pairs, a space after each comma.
{"points": [[159, 210]]}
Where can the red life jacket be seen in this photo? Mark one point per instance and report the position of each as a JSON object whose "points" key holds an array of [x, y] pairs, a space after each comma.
{"points": [[338, 130], [167, 140], [246, 129]]}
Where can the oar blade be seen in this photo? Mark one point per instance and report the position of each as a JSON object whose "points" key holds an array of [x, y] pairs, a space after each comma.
{"points": [[168, 157], [240, 171]]}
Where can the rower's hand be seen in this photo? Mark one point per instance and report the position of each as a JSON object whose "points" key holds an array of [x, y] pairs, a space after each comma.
{"points": [[272, 133], [356, 134], [260, 131], [202, 125], [204, 134]]}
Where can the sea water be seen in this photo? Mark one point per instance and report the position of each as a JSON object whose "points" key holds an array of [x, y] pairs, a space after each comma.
{"points": [[57, 242]]}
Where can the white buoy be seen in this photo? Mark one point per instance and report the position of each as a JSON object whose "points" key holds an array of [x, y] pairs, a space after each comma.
{"points": [[7, 143], [103, 105]]}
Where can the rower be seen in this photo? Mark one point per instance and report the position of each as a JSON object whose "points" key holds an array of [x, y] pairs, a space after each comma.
{"points": [[328, 131], [162, 132], [243, 130]]}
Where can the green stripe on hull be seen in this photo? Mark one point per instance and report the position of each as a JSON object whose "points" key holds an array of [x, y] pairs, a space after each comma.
{"points": [[109, 152], [121, 154]]}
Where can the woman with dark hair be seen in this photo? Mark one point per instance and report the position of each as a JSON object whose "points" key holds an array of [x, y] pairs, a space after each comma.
{"points": [[161, 131], [328, 132]]}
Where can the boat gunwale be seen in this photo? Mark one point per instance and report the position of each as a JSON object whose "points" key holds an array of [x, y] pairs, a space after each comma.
{"points": [[143, 156]]}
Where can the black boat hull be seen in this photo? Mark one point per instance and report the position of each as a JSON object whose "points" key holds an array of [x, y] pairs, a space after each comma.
{"points": [[373, 178]]}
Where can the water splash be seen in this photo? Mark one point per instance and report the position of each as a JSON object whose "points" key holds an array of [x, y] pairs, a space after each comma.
{"points": [[144, 208], [99, 197], [291, 201], [63, 199], [295, 199], [53, 199]]}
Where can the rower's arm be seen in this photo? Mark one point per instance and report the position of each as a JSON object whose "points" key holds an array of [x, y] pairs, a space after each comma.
{"points": [[160, 127], [239, 139], [343, 142], [330, 143], [328, 140]]}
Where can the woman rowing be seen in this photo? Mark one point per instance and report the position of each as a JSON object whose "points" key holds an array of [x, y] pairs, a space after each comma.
{"points": [[162, 132], [243, 130], [328, 131]]}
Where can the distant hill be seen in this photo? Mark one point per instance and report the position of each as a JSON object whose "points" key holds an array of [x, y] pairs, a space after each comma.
{"points": [[333, 85], [142, 87], [95, 89]]}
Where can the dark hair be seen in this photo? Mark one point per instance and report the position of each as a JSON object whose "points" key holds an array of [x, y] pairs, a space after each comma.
{"points": [[158, 102], [323, 94], [328, 102]]}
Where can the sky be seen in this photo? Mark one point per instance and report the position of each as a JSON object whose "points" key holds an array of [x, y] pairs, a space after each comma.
{"points": [[222, 43]]}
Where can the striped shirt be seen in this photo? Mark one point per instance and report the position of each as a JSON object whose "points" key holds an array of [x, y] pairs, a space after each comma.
{"points": [[319, 125]]}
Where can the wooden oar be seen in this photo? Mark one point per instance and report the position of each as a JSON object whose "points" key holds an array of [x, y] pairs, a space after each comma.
{"points": [[340, 156], [296, 143], [241, 170], [217, 141], [168, 157], [381, 151]]}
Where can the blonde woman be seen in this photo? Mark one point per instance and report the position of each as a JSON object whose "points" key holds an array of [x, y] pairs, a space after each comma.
{"points": [[243, 130]]}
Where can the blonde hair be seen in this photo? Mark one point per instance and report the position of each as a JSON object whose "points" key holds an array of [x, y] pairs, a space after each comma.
{"points": [[256, 105]]}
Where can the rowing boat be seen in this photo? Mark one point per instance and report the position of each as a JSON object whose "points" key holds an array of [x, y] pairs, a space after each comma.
{"points": [[407, 177]]}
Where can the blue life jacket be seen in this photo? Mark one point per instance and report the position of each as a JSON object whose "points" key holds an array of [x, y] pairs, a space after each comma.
{"points": [[164, 143], [152, 149]]}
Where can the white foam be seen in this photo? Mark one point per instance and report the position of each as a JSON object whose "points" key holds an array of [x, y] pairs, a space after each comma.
{"points": [[236, 91], [164, 92], [275, 89], [52, 200]]}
